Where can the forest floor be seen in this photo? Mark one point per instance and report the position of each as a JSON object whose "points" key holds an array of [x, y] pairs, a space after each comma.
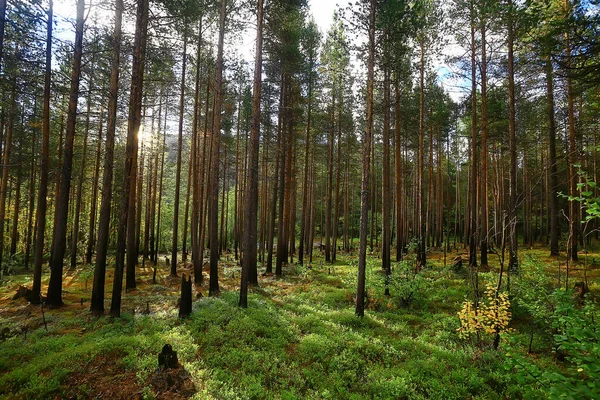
{"points": [[299, 337]]}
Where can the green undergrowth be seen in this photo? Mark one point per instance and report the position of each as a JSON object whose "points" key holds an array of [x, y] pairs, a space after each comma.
{"points": [[299, 338]]}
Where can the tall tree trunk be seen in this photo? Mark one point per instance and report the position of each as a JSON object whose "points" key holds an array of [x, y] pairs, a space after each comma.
{"points": [[197, 202], [386, 205], [513, 261], [79, 201], [269, 268], [330, 179], [14, 235], [398, 172], [60, 229], [473, 170], [572, 155], [338, 181], [97, 303], [368, 138], [281, 237], [249, 267], [420, 200], [305, 189], [6, 165], [163, 150], [223, 208], [554, 229], [44, 161], [134, 122], [31, 196], [93, 209], [178, 167], [2, 24], [484, 150], [214, 179], [126, 230]]}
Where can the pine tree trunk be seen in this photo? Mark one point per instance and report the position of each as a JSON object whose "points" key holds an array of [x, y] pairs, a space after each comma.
{"points": [[420, 200], [75, 234], [6, 165], [484, 151], [554, 228], [249, 267], [31, 196], [368, 138], [97, 302], [214, 180], [126, 230], [513, 262], [197, 202], [386, 204], [54, 297], [330, 180], [178, 166], [44, 163], [473, 228], [398, 173], [93, 208]]}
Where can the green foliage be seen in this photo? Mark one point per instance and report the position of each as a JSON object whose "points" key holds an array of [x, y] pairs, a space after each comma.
{"points": [[299, 338], [577, 341]]}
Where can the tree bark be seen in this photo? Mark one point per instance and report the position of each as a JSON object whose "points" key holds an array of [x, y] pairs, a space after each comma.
{"points": [[97, 303], [6, 165], [40, 215], [126, 230], [178, 166], [54, 297], [95, 183], [473, 170], [249, 267], [364, 208], [513, 261], [484, 150], [214, 179]]}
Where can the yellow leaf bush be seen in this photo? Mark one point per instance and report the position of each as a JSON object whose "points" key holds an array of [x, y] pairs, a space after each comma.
{"points": [[492, 316]]}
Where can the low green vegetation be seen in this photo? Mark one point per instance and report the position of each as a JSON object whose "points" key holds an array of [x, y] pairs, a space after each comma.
{"points": [[299, 337]]}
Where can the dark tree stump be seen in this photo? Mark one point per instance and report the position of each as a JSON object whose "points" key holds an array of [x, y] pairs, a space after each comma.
{"points": [[458, 263], [167, 358], [24, 292], [185, 302]]}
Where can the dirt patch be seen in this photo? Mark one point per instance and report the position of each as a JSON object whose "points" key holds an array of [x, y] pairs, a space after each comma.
{"points": [[103, 378], [172, 384]]}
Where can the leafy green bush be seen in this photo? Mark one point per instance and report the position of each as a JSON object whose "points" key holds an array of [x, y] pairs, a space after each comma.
{"points": [[577, 342]]}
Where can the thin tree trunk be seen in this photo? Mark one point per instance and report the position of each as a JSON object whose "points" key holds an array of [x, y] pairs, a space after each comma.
{"points": [[197, 201], [79, 201], [31, 197], [386, 204], [554, 228], [330, 180], [93, 209], [473, 170], [421, 257], [398, 173], [484, 151], [6, 165], [513, 261], [44, 161]]}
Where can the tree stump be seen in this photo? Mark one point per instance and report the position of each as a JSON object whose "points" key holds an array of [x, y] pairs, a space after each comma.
{"points": [[167, 358]]}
